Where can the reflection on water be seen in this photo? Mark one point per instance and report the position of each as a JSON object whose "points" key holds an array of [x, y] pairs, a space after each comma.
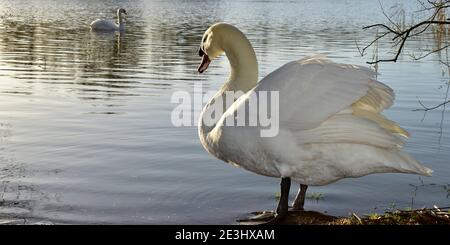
{"points": [[95, 66], [85, 132]]}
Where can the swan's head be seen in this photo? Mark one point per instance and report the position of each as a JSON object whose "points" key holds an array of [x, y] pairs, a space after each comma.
{"points": [[214, 42], [121, 11]]}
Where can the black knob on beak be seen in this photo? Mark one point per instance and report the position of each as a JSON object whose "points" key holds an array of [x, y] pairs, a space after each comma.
{"points": [[200, 52]]}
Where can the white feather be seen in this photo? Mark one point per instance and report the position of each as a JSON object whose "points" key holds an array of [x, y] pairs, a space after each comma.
{"points": [[109, 25]]}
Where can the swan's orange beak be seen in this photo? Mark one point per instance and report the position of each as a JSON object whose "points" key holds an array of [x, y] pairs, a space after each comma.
{"points": [[205, 61]]}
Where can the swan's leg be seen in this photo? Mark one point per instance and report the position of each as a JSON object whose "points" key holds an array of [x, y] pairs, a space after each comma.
{"points": [[285, 186], [282, 208], [269, 218], [300, 199]]}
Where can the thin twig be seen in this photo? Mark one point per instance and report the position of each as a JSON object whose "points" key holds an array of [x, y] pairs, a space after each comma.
{"points": [[431, 52], [374, 41], [425, 108]]}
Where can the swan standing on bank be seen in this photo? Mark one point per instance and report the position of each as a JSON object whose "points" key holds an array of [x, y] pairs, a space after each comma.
{"points": [[110, 25], [330, 126]]}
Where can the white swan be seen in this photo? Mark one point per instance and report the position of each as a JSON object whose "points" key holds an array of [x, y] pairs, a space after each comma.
{"points": [[109, 25], [330, 124]]}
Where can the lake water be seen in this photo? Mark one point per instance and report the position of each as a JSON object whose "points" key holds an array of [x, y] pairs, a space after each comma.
{"points": [[85, 130]]}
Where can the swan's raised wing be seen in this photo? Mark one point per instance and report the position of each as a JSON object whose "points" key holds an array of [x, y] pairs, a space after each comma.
{"points": [[325, 102], [313, 89]]}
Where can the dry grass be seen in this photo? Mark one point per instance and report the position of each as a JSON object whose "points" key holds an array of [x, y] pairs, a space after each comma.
{"points": [[434, 216]]}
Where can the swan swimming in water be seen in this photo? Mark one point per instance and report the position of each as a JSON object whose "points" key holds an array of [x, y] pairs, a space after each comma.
{"points": [[330, 126], [110, 25]]}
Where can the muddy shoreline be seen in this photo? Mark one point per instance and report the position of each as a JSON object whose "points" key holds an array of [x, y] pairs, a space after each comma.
{"points": [[431, 216]]}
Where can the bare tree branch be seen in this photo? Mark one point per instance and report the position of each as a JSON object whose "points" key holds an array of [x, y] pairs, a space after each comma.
{"points": [[397, 33], [425, 108], [381, 25], [402, 34], [396, 56]]}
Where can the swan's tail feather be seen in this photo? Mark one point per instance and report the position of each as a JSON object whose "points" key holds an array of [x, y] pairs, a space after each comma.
{"points": [[403, 163], [410, 165], [395, 161]]}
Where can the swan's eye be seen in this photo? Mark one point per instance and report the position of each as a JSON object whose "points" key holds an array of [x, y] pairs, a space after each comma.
{"points": [[204, 39], [200, 52]]}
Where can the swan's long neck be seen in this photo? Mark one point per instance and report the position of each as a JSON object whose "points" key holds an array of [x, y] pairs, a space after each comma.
{"points": [[243, 75], [243, 64]]}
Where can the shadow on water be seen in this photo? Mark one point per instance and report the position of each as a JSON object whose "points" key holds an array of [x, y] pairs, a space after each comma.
{"points": [[17, 197]]}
